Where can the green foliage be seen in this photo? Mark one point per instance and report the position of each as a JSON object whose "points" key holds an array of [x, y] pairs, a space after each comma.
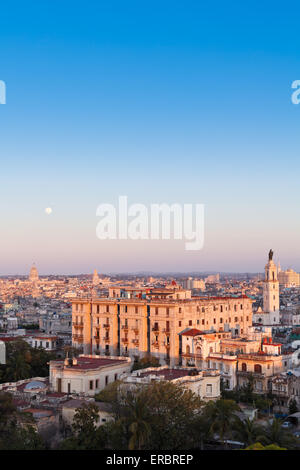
{"points": [[293, 408], [85, 435], [147, 361], [16, 430], [259, 446], [158, 416], [222, 417], [23, 362]]}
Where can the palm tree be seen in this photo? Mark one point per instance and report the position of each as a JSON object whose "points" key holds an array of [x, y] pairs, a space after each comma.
{"points": [[138, 424], [222, 416], [248, 431], [275, 434]]}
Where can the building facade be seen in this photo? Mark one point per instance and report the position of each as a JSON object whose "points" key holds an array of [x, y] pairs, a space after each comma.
{"points": [[138, 326]]}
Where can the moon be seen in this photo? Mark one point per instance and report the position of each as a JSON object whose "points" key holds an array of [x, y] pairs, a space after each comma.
{"points": [[48, 210]]}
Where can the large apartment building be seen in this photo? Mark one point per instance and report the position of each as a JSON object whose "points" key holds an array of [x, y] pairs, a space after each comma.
{"points": [[139, 322]]}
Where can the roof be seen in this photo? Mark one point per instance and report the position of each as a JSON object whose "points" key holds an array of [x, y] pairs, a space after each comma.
{"points": [[86, 363], [167, 374], [192, 332]]}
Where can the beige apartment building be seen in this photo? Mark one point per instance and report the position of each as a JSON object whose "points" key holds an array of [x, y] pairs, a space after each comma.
{"points": [[150, 322]]}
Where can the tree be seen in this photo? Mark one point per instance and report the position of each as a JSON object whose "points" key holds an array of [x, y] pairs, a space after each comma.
{"points": [[16, 430], [293, 408], [139, 423], [222, 415], [144, 362], [84, 430], [248, 431], [23, 362], [275, 434]]}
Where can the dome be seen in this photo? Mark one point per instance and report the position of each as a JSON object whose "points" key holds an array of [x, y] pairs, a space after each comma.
{"points": [[34, 385]]}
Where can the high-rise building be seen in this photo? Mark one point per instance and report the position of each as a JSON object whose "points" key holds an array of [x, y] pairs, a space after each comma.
{"points": [[138, 326]]}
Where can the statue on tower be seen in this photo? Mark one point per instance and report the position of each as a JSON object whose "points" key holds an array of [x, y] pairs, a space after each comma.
{"points": [[271, 255]]}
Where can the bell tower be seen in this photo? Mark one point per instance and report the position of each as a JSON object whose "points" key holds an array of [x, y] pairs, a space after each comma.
{"points": [[271, 290]]}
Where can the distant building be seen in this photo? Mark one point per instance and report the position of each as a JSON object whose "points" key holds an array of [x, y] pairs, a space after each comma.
{"points": [[191, 283], [289, 278], [96, 279], [33, 275]]}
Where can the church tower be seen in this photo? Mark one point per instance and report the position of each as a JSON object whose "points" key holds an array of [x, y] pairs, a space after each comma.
{"points": [[96, 279], [271, 291]]}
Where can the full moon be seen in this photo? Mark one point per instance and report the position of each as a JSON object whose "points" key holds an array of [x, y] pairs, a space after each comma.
{"points": [[48, 210]]}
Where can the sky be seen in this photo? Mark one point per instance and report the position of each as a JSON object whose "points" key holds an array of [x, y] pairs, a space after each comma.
{"points": [[164, 102]]}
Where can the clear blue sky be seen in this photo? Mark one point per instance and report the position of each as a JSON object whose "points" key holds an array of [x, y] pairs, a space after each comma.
{"points": [[170, 101]]}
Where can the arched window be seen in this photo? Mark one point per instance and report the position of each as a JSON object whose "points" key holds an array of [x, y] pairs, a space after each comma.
{"points": [[244, 367], [257, 368], [188, 349]]}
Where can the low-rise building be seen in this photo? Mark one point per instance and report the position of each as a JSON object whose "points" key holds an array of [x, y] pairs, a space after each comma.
{"points": [[204, 383], [86, 375]]}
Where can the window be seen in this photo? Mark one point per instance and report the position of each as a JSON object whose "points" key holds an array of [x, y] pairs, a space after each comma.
{"points": [[221, 320], [97, 383], [203, 322], [257, 368], [190, 322], [179, 323], [208, 389], [156, 311], [106, 379], [91, 384], [116, 377], [244, 367]]}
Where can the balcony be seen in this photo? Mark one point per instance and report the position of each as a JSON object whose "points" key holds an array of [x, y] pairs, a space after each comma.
{"points": [[97, 339], [167, 331], [106, 339], [77, 325], [135, 330], [125, 340], [106, 326], [167, 345], [155, 344], [155, 329], [135, 341], [124, 327], [78, 338], [246, 373]]}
